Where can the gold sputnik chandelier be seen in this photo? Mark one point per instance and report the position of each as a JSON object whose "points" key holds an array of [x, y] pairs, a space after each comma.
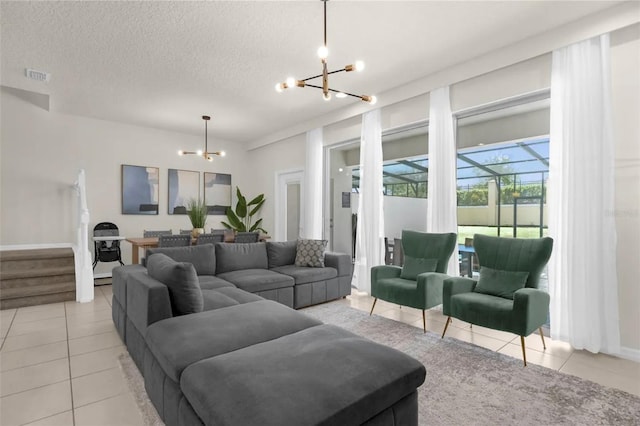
{"points": [[323, 53], [204, 154]]}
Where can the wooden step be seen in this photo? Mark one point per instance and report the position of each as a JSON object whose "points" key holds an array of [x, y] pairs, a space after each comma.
{"points": [[43, 299], [12, 289], [36, 277], [41, 258], [36, 272], [35, 254]]}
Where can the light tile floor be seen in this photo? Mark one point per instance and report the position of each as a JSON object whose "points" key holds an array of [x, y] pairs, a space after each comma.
{"points": [[59, 362]]}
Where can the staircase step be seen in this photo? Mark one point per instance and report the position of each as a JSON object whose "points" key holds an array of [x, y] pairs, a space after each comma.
{"points": [[21, 259], [12, 289], [36, 277], [42, 299], [28, 272], [6, 255]]}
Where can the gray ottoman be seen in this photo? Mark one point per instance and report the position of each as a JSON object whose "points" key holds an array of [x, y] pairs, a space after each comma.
{"points": [[320, 375]]}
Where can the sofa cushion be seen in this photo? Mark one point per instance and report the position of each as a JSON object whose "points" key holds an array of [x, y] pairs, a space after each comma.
{"points": [[235, 257], [290, 381], [281, 253], [414, 266], [305, 274], [310, 253], [500, 283], [178, 342], [182, 281], [203, 257], [226, 296], [483, 309], [210, 282], [254, 280]]}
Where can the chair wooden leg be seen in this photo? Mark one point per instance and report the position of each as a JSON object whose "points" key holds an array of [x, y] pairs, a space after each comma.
{"points": [[374, 305], [524, 354], [424, 322], [446, 324], [542, 337]]}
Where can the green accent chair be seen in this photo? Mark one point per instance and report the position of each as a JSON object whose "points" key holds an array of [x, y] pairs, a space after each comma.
{"points": [[506, 296], [418, 283]]}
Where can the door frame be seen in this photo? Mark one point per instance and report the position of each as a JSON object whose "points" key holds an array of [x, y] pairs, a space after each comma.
{"points": [[282, 179]]}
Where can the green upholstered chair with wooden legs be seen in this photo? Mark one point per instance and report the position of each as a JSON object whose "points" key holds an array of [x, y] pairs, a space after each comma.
{"points": [[506, 296], [418, 283]]}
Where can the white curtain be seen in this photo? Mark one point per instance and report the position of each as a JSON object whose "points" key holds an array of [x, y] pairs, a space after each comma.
{"points": [[312, 224], [370, 228], [442, 209], [582, 270]]}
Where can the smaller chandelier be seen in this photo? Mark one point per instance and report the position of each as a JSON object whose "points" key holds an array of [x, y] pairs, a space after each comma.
{"points": [[204, 154], [323, 53]]}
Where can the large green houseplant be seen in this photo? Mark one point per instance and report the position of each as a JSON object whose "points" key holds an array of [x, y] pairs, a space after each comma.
{"points": [[241, 220], [197, 212]]}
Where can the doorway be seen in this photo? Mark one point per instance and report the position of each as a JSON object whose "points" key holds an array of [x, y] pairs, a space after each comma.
{"points": [[289, 205]]}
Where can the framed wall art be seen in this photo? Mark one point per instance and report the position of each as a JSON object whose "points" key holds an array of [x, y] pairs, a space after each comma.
{"points": [[184, 185], [217, 192], [140, 189]]}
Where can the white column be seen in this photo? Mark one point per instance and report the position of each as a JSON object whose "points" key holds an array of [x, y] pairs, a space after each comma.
{"points": [[312, 221]]}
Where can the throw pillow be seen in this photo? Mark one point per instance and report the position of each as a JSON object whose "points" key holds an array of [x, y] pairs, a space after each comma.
{"points": [[414, 266], [310, 253], [500, 283], [281, 253], [182, 281]]}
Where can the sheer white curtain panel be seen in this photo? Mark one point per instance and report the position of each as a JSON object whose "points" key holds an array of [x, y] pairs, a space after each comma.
{"points": [[442, 208], [312, 225], [582, 270], [370, 226]]}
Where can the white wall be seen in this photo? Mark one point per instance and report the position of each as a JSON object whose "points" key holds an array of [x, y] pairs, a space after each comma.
{"points": [[261, 167], [43, 151]]}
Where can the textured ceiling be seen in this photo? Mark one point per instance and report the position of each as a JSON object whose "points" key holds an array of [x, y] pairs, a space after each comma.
{"points": [[164, 64]]}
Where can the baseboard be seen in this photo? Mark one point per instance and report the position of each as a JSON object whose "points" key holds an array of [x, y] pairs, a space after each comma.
{"points": [[102, 275], [630, 354]]}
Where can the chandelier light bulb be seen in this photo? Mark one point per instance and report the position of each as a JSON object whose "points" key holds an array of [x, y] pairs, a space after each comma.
{"points": [[291, 82], [209, 158], [199, 152], [359, 66], [341, 95], [326, 96], [222, 153], [279, 87], [180, 152], [323, 52], [373, 100]]}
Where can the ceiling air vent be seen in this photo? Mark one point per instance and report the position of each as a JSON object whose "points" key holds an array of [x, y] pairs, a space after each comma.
{"points": [[37, 75]]}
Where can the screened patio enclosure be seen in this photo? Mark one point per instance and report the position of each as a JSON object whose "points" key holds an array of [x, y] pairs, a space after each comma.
{"points": [[501, 187]]}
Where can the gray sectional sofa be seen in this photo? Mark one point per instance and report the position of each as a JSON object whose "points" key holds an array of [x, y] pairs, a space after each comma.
{"points": [[265, 269], [227, 356]]}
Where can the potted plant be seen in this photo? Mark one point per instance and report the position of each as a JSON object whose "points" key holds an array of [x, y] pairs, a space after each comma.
{"points": [[197, 212], [241, 220]]}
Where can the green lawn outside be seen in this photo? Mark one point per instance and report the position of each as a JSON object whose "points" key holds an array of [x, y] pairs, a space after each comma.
{"points": [[506, 231]]}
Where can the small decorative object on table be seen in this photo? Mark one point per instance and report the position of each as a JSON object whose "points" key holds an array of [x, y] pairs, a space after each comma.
{"points": [[197, 212]]}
